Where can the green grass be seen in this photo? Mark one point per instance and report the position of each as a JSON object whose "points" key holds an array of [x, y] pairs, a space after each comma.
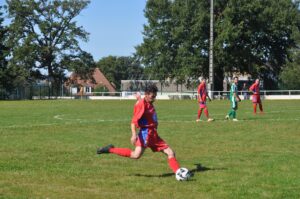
{"points": [[47, 150]]}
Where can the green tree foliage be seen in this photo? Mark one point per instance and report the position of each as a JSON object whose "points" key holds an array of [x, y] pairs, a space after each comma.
{"points": [[44, 36], [254, 36], [251, 36], [3, 48], [190, 35], [120, 68], [289, 76], [6, 73], [157, 51]]}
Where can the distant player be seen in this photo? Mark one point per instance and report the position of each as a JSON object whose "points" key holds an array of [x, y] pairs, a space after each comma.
{"points": [[254, 88], [202, 95], [234, 99], [145, 119]]}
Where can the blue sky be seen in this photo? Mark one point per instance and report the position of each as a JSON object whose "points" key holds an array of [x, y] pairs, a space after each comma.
{"points": [[115, 26]]}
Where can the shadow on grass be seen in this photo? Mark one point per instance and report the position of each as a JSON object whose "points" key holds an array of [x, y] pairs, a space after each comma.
{"points": [[199, 168]]}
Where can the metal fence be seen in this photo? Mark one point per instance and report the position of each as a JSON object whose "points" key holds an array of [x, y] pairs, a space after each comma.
{"points": [[220, 95], [48, 92], [34, 92]]}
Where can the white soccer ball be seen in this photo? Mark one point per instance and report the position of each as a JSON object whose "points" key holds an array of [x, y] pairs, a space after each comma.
{"points": [[182, 174]]}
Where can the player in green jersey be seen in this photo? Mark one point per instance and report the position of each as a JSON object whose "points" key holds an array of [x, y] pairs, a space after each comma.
{"points": [[234, 99]]}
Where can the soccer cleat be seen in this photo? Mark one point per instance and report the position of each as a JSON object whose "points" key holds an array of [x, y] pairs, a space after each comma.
{"points": [[226, 117], [198, 120], [210, 119], [104, 149], [235, 120]]}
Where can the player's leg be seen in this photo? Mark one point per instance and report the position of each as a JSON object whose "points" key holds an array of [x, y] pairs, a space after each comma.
{"points": [[254, 108], [173, 163], [234, 109], [206, 112], [199, 114], [254, 101], [207, 115], [159, 145], [260, 105], [231, 112], [137, 153], [234, 113], [125, 152]]}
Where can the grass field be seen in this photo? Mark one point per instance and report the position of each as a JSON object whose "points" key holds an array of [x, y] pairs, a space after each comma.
{"points": [[48, 150]]}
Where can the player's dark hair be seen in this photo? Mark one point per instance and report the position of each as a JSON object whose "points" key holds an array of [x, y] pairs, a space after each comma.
{"points": [[151, 88]]}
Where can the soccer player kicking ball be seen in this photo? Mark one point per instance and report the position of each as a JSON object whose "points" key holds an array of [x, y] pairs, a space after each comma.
{"points": [[234, 99], [254, 88], [202, 94], [144, 118]]}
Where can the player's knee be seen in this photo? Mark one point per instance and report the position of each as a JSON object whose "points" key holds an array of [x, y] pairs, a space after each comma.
{"points": [[170, 153], [136, 155]]}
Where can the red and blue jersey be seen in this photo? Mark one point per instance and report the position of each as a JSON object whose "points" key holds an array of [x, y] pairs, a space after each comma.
{"points": [[145, 118], [254, 88], [202, 92], [256, 96]]}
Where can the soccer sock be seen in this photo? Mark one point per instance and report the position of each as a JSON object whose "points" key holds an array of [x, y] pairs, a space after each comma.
{"points": [[233, 114], [199, 113], [260, 107], [121, 151], [206, 113], [174, 165], [254, 108], [230, 113]]}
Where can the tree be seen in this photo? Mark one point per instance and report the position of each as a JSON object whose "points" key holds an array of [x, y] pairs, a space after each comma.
{"points": [[120, 68], [289, 76], [157, 51], [190, 35], [254, 36], [251, 36], [6, 83], [3, 48], [45, 37]]}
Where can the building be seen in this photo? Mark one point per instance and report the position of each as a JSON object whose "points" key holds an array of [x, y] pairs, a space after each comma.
{"points": [[167, 86], [98, 81]]}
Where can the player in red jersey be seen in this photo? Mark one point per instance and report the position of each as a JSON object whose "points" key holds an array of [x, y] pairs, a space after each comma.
{"points": [[202, 95], [144, 118], [254, 88]]}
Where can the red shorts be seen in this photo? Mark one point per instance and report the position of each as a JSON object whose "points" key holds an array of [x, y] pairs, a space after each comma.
{"points": [[154, 142], [202, 104], [256, 99]]}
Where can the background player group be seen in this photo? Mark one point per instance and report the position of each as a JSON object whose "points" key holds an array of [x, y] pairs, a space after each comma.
{"points": [[234, 99]]}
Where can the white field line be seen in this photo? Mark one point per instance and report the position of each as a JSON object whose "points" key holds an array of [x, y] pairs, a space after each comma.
{"points": [[171, 119]]}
